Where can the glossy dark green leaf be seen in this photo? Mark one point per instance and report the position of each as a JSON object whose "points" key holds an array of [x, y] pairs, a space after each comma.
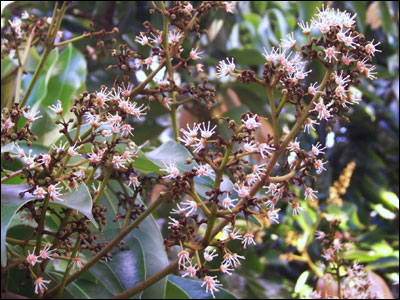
{"points": [[175, 292], [79, 200], [247, 57], [40, 88], [67, 78], [195, 291], [10, 203]]}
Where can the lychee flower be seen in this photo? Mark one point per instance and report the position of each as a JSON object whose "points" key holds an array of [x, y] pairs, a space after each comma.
{"points": [[288, 43], [250, 147], [46, 253], [191, 206], [72, 150], [58, 109], [31, 116], [308, 123], [313, 89], [305, 27], [294, 146], [40, 285], [134, 181], [211, 284], [77, 262], [195, 54], [142, 39], [118, 162], [319, 235], [54, 192], [265, 150], [209, 256], [248, 239], [227, 203], [174, 36], [190, 270], [317, 149], [310, 194], [224, 69], [7, 124], [296, 208], [173, 223], [331, 53], [183, 258], [235, 234], [273, 215], [242, 190], [251, 122], [39, 192], [226, 268], [204, 170], [319, 165], [232, 259], [206, 132], [171, 169], [370, 48], [31, 258]]}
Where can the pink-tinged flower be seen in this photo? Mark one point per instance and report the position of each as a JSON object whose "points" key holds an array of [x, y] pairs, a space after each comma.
{"points": [[250, 147], [224, 69], [45, 159], [305, 27], [136, 111], [310, 194], [331, 53], [328, 254], [270, 56], [204, 170], [174, 36], [265, 150], [190, 270], [102, 97], [232, 259], [206, 131], [235, 234], [7, 124], [40, 285], [31, 116], [171, 169], [46, 253], [58, 109], [173, 224], [77, 262], [289, 42], [324, 112], [199, 68], [39, 192], [337, 245], [134, 181], [190, 132], [272, 202], [195, 54], [126, 91], [95, 157], [317, 149], [188, 7], [183, 258], [29, 160], [242, 190], [158, 39], [313, 89], [179, 210], [118, 162], [209, 256], [296, 208], [54, 192], [347, 59], [340, 79], [272, 188], [15, 24], [229, 6], [72, 150], [248, 239], [308, 123], [96, 190], [319, 235], [142, 39], [370, 48], [211, 284], [189, 205], [92, 119], [226, 268], [251, 122], [227, 203], [32, 259], [126, 130], [368, 73], [80, 174], [294, 146], [60, 148], [319, 165], [149, 61], [340, 91]]}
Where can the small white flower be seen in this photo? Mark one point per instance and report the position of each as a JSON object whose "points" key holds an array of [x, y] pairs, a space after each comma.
{"points": [[317, 149], [251, 122], [204, 170], [58, 109], [142, 39], [288, 43], [310, 194], [171, 169], [296, 208], [31, 258], [242, 190], [273, 215], [319, 165], [209, 256], [211, 284], [183, 258], [190, 270], [226, 268], [224, 69], [31, 116], [248, 239], [191, 206], [195, 54], [331, 53], [308, 123], [235, 234], [228, 203], [40, 285]]}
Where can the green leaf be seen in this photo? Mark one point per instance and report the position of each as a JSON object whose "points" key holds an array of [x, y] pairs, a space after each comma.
{"points": [[67, 78], [11, 201], [301, 281], [175, 292], [40, 88], [247, 57], [383, 212], [195, 291], [149, 237], [308, 9]]}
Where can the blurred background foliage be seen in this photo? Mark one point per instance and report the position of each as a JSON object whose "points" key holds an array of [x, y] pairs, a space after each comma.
{"points": [[370, 140]]}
